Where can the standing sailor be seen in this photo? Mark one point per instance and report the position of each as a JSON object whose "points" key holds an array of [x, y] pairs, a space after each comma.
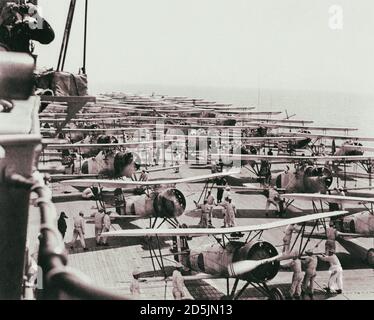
{"points": [[272, 198], [331, 235], [288, 237], [144, 176], [134, 286], [210, 199], [206, 211], [178, 285], [310, 263], [297, 277], [336, 272]]}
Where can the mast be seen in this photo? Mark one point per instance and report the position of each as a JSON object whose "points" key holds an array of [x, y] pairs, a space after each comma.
{"points": [[65, 40], [85, 38]]}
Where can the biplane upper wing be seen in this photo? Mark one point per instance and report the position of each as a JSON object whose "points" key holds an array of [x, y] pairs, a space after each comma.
{"points": [[120, 130], [123, 183], [329, 198], [272, 139], [105, 145], [267, 113], [242, 139], [221, 231], [332, 136], [287, 126]]}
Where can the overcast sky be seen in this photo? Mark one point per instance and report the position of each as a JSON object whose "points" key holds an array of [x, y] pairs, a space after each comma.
{"points": [[285, 44]]}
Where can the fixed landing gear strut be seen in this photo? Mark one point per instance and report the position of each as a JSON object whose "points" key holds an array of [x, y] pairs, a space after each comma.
{"points": [[271, 293]]}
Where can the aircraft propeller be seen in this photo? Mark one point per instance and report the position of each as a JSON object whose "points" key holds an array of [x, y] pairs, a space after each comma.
{"points": [[241, 267]]}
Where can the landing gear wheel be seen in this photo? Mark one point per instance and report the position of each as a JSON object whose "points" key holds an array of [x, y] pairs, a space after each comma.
{"points": [[224, 298], [276, 294]]}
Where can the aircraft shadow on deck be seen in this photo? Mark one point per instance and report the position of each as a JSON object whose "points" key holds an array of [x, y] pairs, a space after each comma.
{"points": [[119, 242], [168, 271], [249, 214], [348, 262], [201, 290]]}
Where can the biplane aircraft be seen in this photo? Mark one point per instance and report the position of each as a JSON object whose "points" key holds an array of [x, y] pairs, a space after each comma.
{"points": [[351, 146], [311, 174], [154, 199], [96, 155], [350, 227], [253, 260], [199, 144]]}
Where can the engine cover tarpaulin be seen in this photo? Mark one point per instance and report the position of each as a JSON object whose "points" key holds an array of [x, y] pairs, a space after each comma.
{"points": [[63, 83]]}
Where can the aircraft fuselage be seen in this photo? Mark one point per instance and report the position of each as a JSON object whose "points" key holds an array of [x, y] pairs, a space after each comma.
{"points": [[216, 259]]}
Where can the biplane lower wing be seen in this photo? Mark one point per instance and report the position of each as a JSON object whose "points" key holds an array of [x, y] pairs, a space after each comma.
{"points": [[199, 276], [123, 184], [352, 235], [68, 197], [248, 189], [64, 177], [222, 231], [328, 198], [293, 158], [341, 235]]}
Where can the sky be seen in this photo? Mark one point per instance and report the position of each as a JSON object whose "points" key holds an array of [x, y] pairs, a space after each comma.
{"points": [[285, 45]]}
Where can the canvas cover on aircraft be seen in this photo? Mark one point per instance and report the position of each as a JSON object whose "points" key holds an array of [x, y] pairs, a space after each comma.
{"points": [[63, 83]]}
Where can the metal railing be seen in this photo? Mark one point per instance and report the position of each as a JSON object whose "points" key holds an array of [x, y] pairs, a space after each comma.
{"points": [[59, 281]]}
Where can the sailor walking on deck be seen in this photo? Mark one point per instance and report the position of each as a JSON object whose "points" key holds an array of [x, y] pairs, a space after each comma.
{"points": [[106, 227], [61, 224], [79, 230], [98, 219], [231, 212]]}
